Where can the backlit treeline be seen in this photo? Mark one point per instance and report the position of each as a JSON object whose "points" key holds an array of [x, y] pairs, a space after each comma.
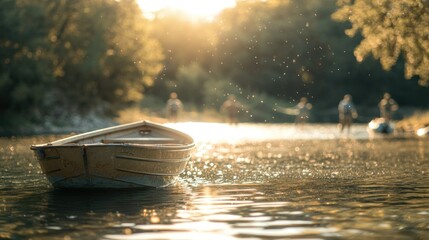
{"points": [[59, 58]]}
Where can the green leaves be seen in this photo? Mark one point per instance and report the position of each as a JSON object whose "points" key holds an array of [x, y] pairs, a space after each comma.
{"points": [[390, 29], [96, 53]]}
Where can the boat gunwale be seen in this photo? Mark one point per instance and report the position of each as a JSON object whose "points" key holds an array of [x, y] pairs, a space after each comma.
{"points": [[69, 140], [178, 147]]}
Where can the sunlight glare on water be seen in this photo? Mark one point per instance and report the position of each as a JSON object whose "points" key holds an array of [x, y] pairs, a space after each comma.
{"points": [[248, 132], [216, 214]]}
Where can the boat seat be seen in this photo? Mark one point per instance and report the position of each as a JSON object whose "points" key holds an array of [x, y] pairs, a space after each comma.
{"points": [[140, 140]]}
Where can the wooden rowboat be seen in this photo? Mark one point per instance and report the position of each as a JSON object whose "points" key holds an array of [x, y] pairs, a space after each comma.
{"points": [[140, 154]]}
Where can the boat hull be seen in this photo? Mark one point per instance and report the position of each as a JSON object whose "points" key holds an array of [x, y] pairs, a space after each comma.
{"points": [[380, 126], [421, 132], [113, 164], [118, 166]]}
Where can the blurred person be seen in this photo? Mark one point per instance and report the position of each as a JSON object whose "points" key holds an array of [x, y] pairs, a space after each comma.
{"points": [[347, 112], [387, 106], [231, 107], [303, 108], [174, 106]]}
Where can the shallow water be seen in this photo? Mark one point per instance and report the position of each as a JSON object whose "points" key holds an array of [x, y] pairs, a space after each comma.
{"points": [[251, 181]]}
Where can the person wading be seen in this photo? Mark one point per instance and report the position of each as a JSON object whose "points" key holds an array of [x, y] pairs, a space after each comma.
{"points": [[347, 112]]}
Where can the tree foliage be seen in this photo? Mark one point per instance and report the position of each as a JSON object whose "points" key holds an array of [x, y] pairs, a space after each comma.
{"points": [[82, 56], [272, 46], [390, 29], [184, 43]]}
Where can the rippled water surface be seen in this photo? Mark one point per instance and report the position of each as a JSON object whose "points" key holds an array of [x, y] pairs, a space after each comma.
{"points": [[251, 181]]}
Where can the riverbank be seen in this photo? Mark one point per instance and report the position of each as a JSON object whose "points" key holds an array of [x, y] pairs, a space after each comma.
{"points": [[411, 121]]}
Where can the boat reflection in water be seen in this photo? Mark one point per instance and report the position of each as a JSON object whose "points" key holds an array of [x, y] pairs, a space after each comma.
{"points": [[131, 202]]}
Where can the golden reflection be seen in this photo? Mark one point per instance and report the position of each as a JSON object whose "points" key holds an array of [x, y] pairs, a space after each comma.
{"points": [[151, 215], [212, 133], [421, 149], [208, 203], [128, 231], [154, 218]]}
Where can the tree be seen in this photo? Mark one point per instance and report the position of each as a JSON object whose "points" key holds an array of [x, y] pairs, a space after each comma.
{"points": [[60, 58], [25, 64], [390, 29], [184, 43], [273, 46], [105, 56]]}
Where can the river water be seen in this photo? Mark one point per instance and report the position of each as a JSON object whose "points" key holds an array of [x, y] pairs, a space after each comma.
{"points": [[250, 181]]}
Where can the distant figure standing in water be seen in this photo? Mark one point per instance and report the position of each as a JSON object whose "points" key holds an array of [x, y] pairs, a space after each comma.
{"points": [[304, 108], [347, 112], [387, 106], [231, 107], [174, 106]]}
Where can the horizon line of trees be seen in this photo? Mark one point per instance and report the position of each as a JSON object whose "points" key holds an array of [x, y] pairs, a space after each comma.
{"points": [[64, 58]]}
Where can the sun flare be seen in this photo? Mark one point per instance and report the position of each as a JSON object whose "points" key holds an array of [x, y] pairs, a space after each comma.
{"points": [[196, 9]]}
